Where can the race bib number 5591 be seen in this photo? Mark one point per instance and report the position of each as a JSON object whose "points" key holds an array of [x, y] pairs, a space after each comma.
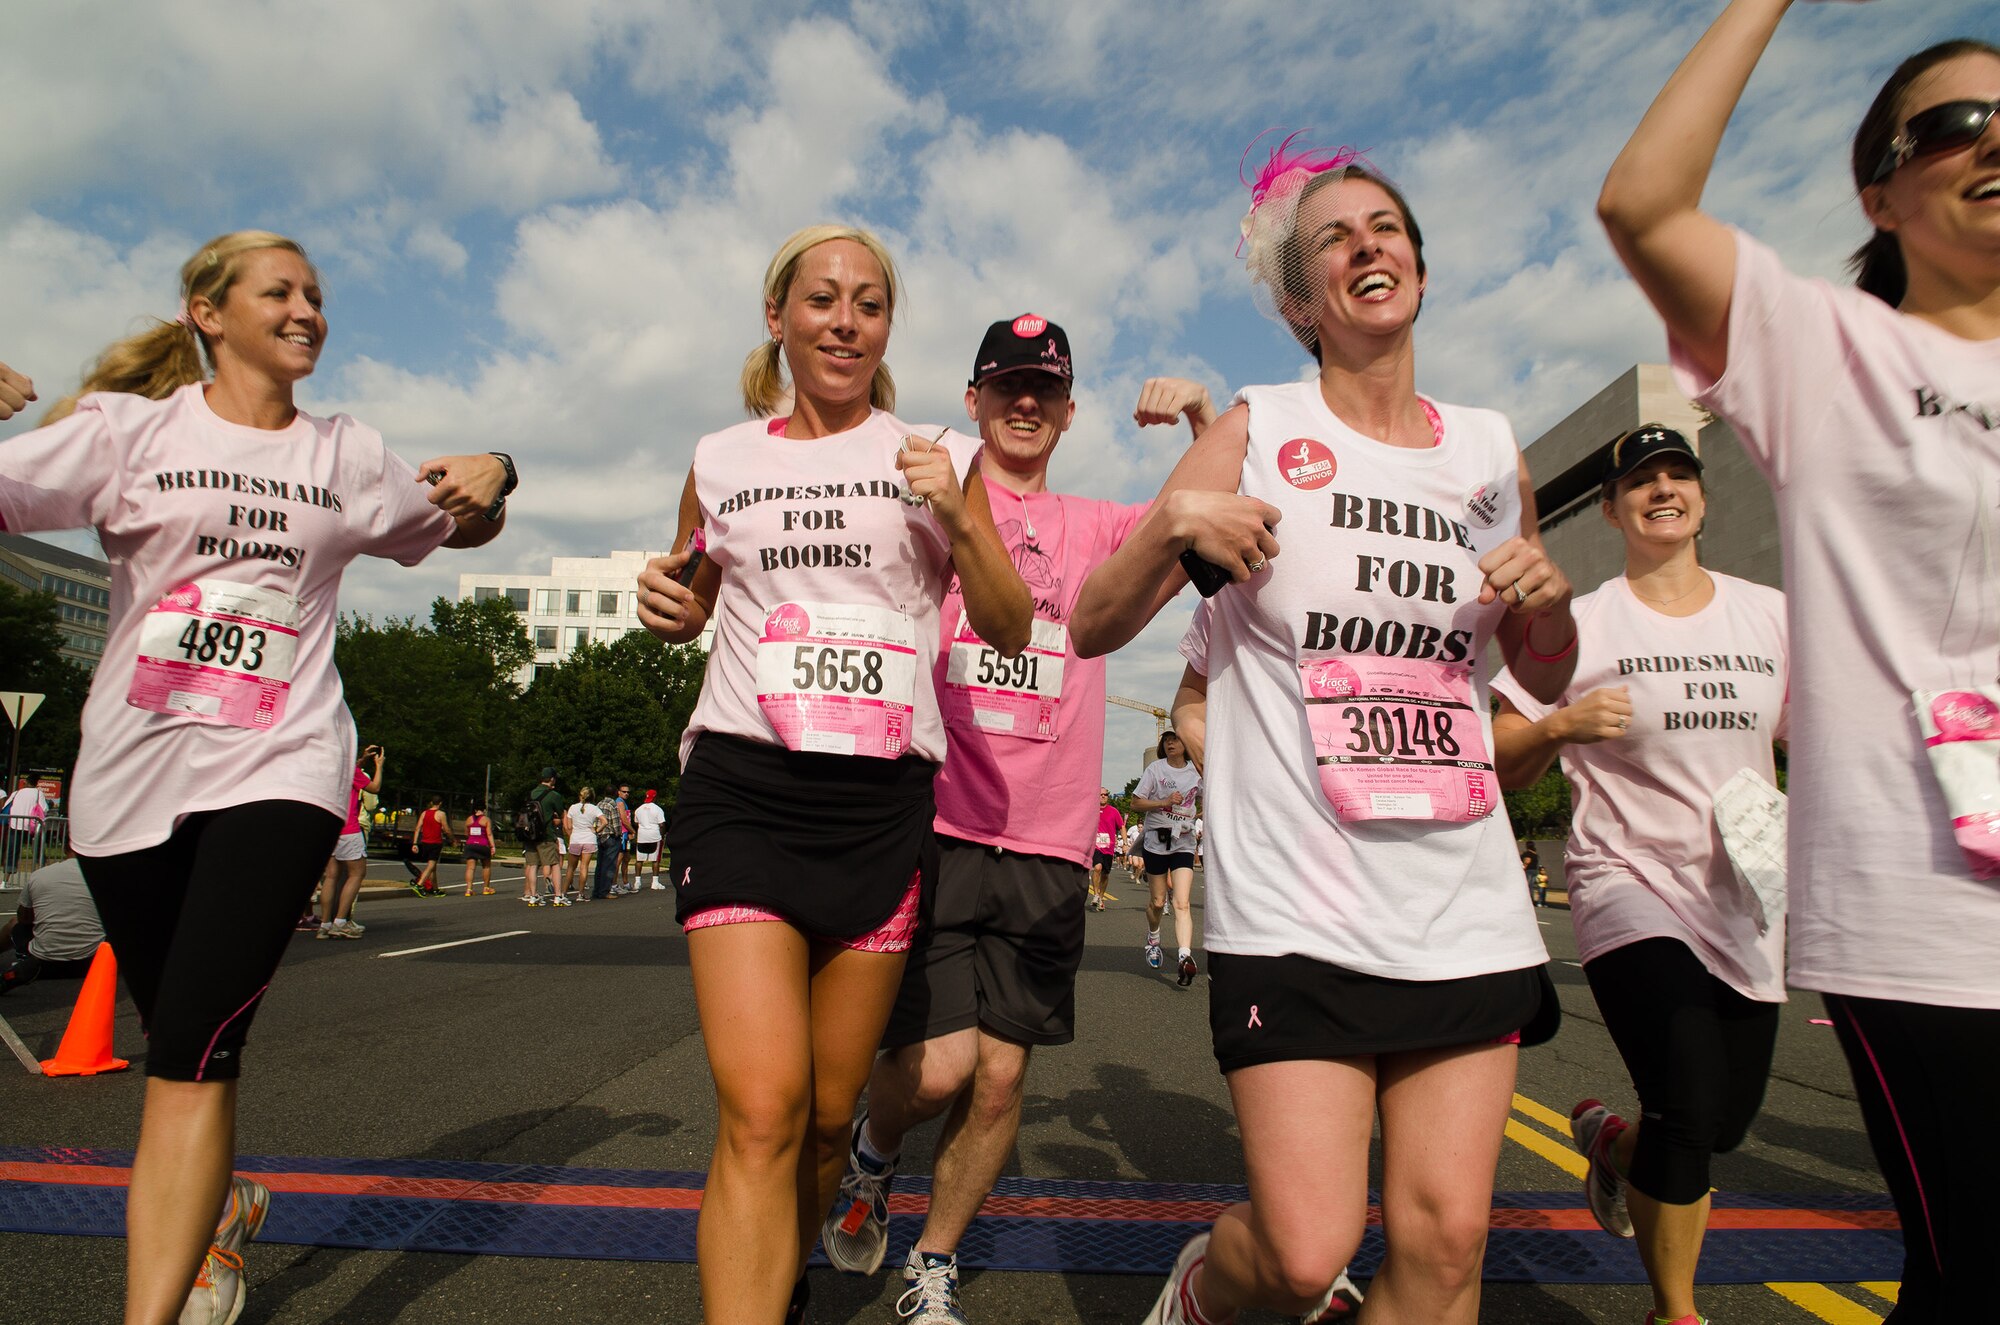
{"points": [[218, 652], [838, 678]]}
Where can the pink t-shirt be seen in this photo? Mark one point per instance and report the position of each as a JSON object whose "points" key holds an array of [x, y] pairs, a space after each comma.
{"points": [[1708, 697], [821, 558], [1110, 827], [180, 497], [360, 784], [1878, 434], [1027, 737]]}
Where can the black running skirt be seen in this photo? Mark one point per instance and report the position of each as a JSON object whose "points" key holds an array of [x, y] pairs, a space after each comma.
{"points": [[829, 842]]}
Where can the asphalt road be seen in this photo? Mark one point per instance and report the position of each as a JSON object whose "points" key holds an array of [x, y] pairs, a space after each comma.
{"points": [[576, 1043]]}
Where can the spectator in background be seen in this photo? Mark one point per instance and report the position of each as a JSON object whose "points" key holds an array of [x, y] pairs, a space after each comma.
{"points": [[433, 832], [627, 858], [54, 931], [479, 849], [580, 826], [350, 856], [25, 810], [540, 827], [611, 830], [648, 823]]}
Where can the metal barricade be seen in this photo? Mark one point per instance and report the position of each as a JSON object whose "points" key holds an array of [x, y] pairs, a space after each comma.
{"points": [[27, 844]]}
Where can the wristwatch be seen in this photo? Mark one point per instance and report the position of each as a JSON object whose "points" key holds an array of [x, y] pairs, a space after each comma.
{"points": [[513, 481]]}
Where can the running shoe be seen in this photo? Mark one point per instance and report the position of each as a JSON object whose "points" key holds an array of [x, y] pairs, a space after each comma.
{"points": [[1175, 1305], [323, 932], [485, 892], [1341, 1302], [348, 931], [219, 1291], [856, 1232], [1188, 972], [932, 1295], [1153, 953], [358, 928], [1594, 1127], [561, 901], [659, 887], [412, 885], [307, 923]]}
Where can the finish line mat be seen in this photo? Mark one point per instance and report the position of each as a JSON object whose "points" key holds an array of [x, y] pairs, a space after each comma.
{"points": [[1027, 1224]]}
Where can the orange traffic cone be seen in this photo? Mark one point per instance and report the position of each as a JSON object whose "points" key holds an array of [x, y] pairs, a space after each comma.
{"points": [[86, 1045]]}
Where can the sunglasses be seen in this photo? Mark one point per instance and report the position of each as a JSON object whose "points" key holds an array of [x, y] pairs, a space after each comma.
{"points": [[1942, 128]]}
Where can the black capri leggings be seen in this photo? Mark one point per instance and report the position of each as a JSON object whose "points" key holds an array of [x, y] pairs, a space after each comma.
{"points": [[199, 923], [1926, 1077], [1698, 1052]]}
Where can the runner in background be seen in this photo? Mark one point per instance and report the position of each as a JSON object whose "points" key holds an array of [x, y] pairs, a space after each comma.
{"points": [[228, 516], [349, 864], [479, 850], [1369, 949], [1135, 865], [1878, 403], [1679, 688], [1104, 847], [992, 974], [1169, 795], [432, 836], [648, 822], [802, 840]]}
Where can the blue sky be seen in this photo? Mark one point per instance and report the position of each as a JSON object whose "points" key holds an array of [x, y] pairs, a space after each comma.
{"points": [[542, 227]]}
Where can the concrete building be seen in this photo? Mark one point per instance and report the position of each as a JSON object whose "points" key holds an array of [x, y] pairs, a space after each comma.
{"points": [[81, 585], [580, 599], [1740, 535]]}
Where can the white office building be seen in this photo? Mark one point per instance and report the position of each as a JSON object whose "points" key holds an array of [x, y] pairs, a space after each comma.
{"points": [[580, 599]]}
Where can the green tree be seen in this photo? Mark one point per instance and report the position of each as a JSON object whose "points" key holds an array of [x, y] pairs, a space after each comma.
{"points": [[607, 713], [32, 662], [436, 704], [494, 627], [1541, 810]]}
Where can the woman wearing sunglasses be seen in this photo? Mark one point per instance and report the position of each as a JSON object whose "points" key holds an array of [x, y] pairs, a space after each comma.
{"points": [[1872, 411]]}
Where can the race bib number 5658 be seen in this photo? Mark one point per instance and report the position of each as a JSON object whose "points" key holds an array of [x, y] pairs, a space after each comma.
{"points": [[838, 678], [218, 652]]}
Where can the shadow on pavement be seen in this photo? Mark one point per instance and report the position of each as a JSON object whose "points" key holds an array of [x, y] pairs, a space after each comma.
{"points": [[407, 1279]]}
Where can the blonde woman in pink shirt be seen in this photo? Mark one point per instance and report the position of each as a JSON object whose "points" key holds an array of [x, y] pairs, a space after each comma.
{"points": [[217, 750], [1872, 411], [802, 838], [1679, 686]]}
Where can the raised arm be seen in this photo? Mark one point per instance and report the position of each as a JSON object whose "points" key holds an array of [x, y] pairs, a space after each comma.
{"points": [[998, 605], [1537, 637], [677, 613], [1166, 399], [15, 392], [1684, 259], [1199, 509]]}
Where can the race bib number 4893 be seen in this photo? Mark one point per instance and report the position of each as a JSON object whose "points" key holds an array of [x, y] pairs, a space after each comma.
{"points": [[1397, 738], [219, 652], [838, 678]]}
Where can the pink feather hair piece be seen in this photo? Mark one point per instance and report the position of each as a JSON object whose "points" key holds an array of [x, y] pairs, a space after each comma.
{"points": [[1286, 171]]}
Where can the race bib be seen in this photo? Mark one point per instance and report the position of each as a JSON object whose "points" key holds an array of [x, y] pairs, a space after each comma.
{"points": [[1398, 738], [1015, 696], [214, 651], [1104, 841], [1960, 728], [838, 678]]}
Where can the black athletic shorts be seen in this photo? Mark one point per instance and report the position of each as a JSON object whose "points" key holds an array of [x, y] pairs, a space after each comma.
{"points": [[429, 850], [1292, 1008], [1000, 950], [1178, 860], [1102, 859], [199, 923], [479, 853]]}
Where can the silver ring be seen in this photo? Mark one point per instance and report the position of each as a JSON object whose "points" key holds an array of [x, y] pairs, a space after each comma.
{"points": [[1623, 723], [1519, 597], [1256, 565]]}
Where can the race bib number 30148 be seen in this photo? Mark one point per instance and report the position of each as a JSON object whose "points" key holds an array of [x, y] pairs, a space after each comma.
{"points": [[1397, 738], [219, 652], [838, 678]]}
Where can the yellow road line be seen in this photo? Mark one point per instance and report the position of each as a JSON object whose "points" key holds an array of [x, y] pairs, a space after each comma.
{"points": [[1555, 1152], [1888, 1292], [1542, 1113], [1826, 1304]]}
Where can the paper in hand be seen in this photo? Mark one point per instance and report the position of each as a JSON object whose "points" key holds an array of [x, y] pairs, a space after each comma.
{"points": [[1750, 813]]}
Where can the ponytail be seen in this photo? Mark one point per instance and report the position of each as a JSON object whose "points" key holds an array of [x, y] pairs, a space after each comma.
{"points": [[1878, 268], [882, 390], [155, 363], [763, 380]]}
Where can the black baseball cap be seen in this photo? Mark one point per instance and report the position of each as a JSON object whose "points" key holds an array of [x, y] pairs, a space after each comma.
{"points": [[1636, 447], [1027, 341]]}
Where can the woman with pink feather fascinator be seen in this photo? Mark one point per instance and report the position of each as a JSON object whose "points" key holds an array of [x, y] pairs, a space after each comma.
{"points": [[1398, 972]]}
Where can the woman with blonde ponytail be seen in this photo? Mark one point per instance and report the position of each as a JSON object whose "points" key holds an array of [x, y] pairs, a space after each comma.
{"points": [[213, 776], [802, 841]]}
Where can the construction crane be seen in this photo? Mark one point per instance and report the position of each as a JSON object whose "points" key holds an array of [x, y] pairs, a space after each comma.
{"points": [[1160, 715]]}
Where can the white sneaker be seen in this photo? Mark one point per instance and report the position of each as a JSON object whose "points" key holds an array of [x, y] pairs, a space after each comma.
{"points": [[855, 1234], [1175, 1305], [659, 887], [1594, 1127], [219, 1291], [1341, 1301], [932, 1295]]}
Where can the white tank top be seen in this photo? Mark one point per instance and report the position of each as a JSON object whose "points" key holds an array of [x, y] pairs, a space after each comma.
{"points": [[1376, 567], [826, 620]]}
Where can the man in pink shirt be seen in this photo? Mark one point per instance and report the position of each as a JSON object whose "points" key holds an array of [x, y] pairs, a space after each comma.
{"points": [[994, 972]]}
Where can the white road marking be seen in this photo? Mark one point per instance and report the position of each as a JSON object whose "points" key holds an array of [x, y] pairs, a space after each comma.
{"points": [[457, 943]]}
